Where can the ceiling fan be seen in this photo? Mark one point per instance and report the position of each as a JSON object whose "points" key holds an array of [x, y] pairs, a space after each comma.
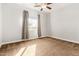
{"points": [[43, 5]]}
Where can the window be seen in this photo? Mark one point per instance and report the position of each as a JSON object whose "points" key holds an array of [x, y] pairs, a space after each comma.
{"points": [[33, 27]]}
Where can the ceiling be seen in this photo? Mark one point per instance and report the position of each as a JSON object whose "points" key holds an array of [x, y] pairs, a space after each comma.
{"points": [[54, 6]]}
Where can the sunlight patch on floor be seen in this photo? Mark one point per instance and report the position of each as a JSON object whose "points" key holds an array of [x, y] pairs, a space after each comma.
{"points": [[20, 51], [30, 51]]}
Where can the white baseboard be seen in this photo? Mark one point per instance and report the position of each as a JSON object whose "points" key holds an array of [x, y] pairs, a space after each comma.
{"points": [[74, 41], [39, 38], [19, 40]]}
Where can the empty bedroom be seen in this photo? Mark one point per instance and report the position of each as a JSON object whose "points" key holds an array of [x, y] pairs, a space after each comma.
{"points": [[39, 29]]}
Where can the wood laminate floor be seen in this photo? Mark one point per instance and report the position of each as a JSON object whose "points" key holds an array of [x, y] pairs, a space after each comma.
{"points": [[40, 47]]}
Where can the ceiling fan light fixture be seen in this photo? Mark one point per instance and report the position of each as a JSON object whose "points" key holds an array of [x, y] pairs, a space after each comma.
{"points": [[41, 9], [43, 6]]}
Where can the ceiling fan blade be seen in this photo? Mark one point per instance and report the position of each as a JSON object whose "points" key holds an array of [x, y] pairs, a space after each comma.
{"points": [[48, 7], [49, 3], [37, 6]]}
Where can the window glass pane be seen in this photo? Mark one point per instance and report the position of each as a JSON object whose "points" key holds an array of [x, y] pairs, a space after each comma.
{"points": [[33, 23]]}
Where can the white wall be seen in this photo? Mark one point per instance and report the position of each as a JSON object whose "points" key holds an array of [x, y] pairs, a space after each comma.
{"points": [[43, 30], [12, 21], [12, 15], [45, 20], [0, 24], [65, 23], [48, 24]]}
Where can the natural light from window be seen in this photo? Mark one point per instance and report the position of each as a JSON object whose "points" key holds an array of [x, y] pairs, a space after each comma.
{"points": [[27, 51], [32, 24]]}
